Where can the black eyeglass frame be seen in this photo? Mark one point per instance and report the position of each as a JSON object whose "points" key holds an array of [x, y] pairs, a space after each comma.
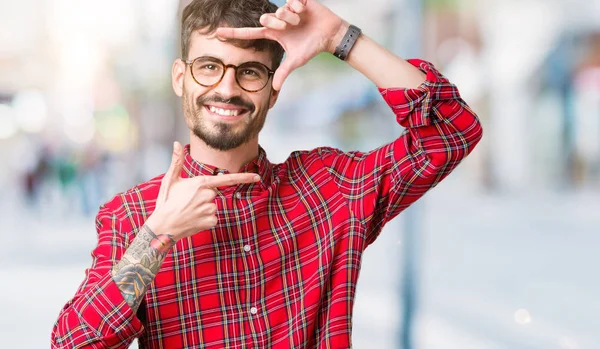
{"points": [[225, 66]]}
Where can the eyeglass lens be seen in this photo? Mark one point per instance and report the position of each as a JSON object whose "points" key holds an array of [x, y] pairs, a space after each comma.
{"points": [[251, 76]]}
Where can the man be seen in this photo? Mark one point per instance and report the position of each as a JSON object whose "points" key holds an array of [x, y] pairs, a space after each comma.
{"points": [[227, 250]]}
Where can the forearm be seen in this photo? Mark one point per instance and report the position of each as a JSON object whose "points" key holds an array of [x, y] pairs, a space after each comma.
{"points": [[378, 64], [98, 316], [140, 264], [440, 131]]}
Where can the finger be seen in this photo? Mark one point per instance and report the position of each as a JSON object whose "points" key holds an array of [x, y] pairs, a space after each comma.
{"points": [[206, 195], [243, 33], [296, 5], [208, 209], [282, 73], [228, 180], [269, 20], [211, 221], [174, 170], [285, 14], [173, 173], [205, 223]]}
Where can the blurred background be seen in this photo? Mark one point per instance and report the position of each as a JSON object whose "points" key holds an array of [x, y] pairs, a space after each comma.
{"points": [[502, 254]]}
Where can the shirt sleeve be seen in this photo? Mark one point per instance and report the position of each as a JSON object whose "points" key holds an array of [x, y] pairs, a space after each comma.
{"points": [[98, 316], [440, 131]]}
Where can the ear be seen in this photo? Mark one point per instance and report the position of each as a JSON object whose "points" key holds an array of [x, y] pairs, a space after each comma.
{"points": [[273, 98], [177, 76]]}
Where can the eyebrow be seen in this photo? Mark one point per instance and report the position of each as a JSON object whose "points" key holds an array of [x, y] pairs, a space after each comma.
{"points": [[218, 59], [212, 58]]}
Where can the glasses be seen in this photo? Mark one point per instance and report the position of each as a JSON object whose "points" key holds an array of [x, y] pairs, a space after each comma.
{"points": [[209, 71]]}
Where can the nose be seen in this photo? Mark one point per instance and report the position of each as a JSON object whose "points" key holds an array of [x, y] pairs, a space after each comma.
{"points": [[228, 87]]}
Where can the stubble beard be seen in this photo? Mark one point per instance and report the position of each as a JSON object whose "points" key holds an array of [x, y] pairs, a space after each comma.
{"points": [[223, 136]]}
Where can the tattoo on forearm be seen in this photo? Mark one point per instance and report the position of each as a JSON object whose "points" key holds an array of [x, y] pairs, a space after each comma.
{"points": [[140, 264]]}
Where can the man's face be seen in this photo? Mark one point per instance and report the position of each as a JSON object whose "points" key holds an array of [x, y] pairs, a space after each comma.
{"points": [[224, 116]]}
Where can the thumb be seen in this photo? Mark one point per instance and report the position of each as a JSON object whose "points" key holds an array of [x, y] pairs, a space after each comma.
{"points": [[176, 161], [282, 73], [172, 174]]}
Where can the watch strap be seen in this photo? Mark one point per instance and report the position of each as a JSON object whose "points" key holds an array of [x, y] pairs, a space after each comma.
{"points": [[342, 50]]}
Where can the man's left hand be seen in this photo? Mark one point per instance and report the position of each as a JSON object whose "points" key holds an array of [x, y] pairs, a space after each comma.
{"points": [[304, 28]]}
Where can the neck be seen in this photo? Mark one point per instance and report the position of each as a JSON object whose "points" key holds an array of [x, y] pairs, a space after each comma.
{"points": [[231, 160]]}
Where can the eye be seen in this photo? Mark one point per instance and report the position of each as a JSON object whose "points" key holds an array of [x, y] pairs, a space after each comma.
{"points": [[209, 66], [250, 72]]}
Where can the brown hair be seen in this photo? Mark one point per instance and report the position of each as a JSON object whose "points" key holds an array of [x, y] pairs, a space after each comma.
{"points": [[208, 15]]}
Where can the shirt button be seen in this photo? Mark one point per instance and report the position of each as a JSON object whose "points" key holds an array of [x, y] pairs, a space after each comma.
{"points": [[253, 310], [247, 248], [238, 195]]}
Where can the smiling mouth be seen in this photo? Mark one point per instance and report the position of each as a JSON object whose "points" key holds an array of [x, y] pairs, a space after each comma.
{"points": [[226, 112]]}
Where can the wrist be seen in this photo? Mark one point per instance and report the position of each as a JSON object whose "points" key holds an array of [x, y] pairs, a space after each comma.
{"points": [[338, 36], [157, 225]]}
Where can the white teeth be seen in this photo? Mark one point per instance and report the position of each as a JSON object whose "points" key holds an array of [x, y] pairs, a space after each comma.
{"points": [[224, 112]]}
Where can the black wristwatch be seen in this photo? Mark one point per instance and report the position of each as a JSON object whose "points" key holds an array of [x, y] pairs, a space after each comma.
{"points": [[342, 50]]}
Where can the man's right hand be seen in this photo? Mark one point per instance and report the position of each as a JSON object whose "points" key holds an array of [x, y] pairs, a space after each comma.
{"points": [[186, 206]]}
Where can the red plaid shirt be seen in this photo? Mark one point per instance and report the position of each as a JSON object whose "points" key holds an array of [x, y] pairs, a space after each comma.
{"points": [[280, 268]]}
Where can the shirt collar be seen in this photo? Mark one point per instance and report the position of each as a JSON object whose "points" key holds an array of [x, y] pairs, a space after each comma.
{"points": [[260, 165]]}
